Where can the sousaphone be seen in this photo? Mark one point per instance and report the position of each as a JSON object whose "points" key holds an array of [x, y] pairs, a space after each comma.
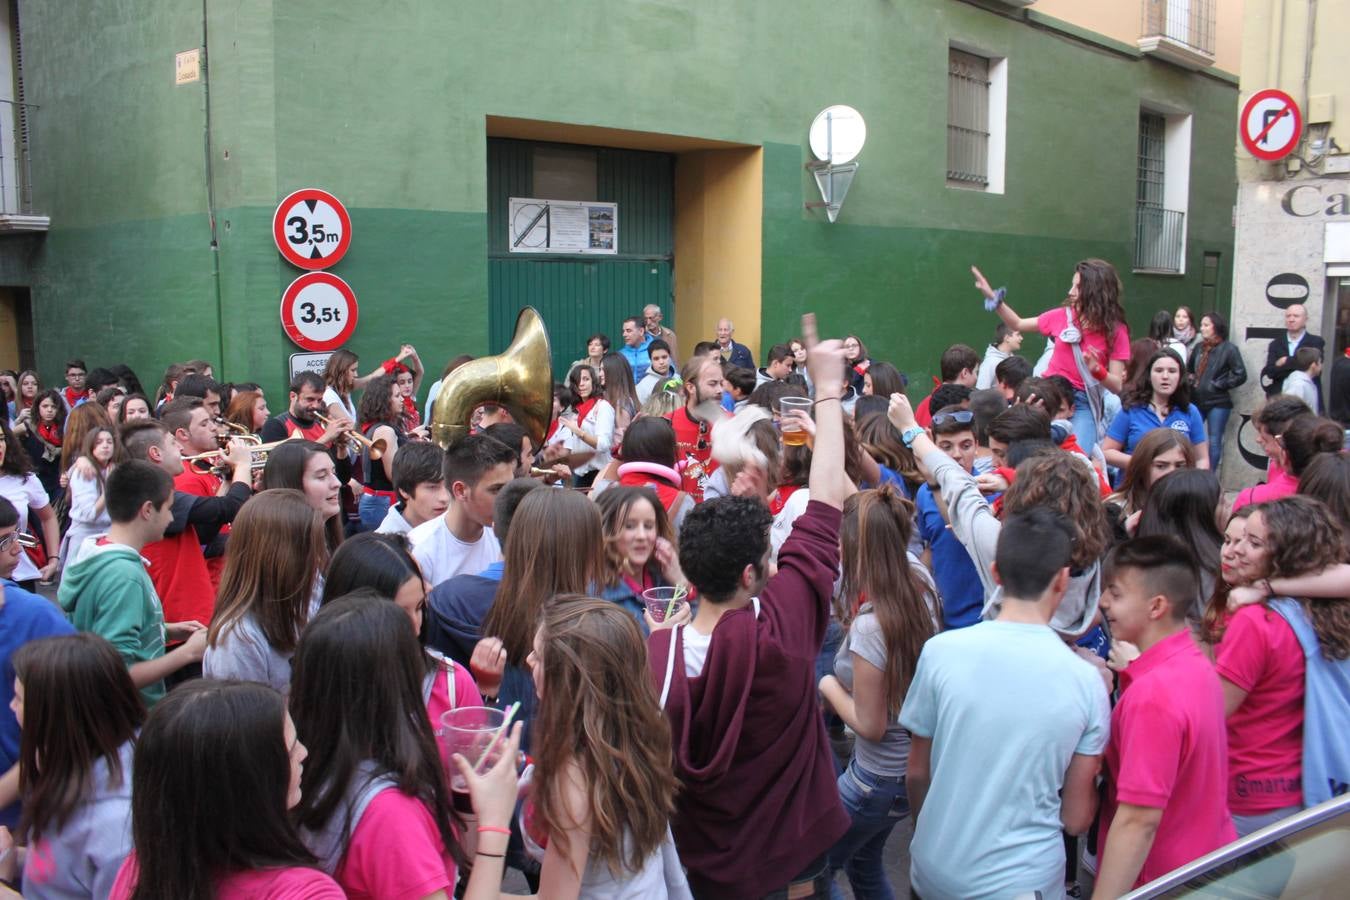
{"points": [[520, 379]]}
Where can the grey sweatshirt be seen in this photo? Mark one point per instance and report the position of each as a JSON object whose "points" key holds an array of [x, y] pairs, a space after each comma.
{"points": [[81, 860]]}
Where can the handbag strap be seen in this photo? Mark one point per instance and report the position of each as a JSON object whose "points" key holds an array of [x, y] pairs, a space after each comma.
{"points": [[670, 664], [1091, 387]]}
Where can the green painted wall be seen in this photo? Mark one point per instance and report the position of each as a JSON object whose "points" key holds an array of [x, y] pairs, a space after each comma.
{"points": [[385, 105]]}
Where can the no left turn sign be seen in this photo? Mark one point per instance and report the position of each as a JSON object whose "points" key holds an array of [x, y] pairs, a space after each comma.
{"points": [[318, 311], [1270, 125], [312, 229]]}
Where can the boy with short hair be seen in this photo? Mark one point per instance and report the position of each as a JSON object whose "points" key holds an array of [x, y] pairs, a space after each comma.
{"points": [[1302, 382], [108, 592], [1007, 729], [1007, 341], [419, 480], [957, 580], [658, 351], [958, 365], [777, 365], [740, 385], [461, 540], [1167, 761]]}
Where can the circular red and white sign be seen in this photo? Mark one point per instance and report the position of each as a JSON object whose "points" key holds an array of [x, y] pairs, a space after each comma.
{"points": [[312, 229], [318, 311], [1270, 125]]}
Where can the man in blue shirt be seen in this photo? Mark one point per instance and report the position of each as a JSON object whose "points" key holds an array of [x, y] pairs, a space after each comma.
{"points": [[636, 340], [24, 617], [957, 579]]}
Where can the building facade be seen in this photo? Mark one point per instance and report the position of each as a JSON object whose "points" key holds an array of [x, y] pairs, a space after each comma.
{"points": [[1293, 214], [1017, 137]]}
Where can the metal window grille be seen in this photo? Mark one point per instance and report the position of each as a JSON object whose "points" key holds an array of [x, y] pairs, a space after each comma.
{"points": [[1158, 231], [1188, 22], [967, 119]]}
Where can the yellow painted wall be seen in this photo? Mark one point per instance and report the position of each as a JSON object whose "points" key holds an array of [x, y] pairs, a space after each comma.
{"points": [[719, 203], [9, 332], [1275, 54], [1123, 19]]}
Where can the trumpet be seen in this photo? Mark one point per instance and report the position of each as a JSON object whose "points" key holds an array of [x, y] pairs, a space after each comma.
{"points": [[258, 450], [377, 448], [235, 431]]}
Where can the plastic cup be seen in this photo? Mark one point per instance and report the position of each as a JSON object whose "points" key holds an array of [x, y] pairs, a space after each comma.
{"points": [[470, 732], [793, 434], [663, 602]]}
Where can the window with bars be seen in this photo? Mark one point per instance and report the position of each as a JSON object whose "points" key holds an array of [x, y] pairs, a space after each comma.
{"points": [[1152, 172], [1160, 236], [967, 119]]}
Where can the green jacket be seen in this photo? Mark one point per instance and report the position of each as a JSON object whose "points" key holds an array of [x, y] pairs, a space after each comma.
{"points": [[109, 593]]}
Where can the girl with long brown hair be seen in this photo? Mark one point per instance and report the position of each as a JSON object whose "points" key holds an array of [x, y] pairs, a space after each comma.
{"points": [[1159, 452], [88, 507], [604, 786], [896, 612], [1276, 727], [639, 549], [1159, 397], [269, 590], [307, 467], [248, 410], [42, 428], [380, 419], [1092, 342], [79, 713]]}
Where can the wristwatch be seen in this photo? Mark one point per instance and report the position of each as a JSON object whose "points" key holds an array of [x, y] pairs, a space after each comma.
{"points": [[909, 434]]}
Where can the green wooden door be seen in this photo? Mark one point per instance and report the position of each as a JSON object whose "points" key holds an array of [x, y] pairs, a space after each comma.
{"points": [[580, 295]]}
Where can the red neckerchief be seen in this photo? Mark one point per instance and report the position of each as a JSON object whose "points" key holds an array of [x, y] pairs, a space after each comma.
{"points": [[49, 433], [638, 587], [552, 430], [858, 602], [584, 409], [779, 498]]}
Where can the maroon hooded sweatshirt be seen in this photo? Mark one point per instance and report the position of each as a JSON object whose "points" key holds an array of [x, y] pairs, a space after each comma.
{"points": [[758, 801]]}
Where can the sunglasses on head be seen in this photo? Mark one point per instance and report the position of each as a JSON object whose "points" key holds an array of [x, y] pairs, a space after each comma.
{"points": [[965, 417]]}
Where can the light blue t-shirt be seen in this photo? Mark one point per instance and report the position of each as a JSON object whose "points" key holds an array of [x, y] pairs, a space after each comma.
{"points": [[1006, 705], [1134, 422]]}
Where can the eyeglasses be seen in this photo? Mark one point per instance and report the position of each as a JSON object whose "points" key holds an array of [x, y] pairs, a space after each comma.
{"points": [[24, 540], [965, 417]]}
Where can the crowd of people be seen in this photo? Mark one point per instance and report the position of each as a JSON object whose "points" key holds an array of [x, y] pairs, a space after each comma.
{"points": [[728, 624]]}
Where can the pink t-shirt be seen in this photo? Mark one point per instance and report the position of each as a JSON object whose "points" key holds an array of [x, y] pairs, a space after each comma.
{"points": [[1169, 751], [441, 702], [290, 883], [1279, 483], [1062, 362], [396, 852], [1261, 655]]}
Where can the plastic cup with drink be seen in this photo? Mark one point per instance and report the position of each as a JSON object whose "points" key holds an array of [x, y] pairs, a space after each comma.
{"points": [[479, 734], [794, 435], [665, 602]]}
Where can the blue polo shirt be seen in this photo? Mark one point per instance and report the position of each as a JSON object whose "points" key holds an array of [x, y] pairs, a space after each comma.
{"points": [[958, 581], [638, 357], [1136, 421], [24, 617]]}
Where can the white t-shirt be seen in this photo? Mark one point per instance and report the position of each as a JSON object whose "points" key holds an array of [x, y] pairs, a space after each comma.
{"points": [[394, 523], [442, 556], [25, 492], [696, 645], [331, 396]]}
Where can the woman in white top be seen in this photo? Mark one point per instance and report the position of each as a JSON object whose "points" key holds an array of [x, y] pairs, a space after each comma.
{"points": [[21, 487], [269, 590], [341, 378], [88, 512], [591, 423]]}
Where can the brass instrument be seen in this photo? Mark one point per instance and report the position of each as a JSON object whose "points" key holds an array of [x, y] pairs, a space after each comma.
{"points": [[258, 450], [520, 379], [377, 447], [235, 431]]}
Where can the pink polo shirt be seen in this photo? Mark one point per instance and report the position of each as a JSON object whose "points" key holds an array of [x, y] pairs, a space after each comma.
{"points": [[1062, 361], [1279, 483], [396, 852], [1261, 655], [289, 883], [1169, 751]]}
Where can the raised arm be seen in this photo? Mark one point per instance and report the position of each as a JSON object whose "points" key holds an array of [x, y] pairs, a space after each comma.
{"points": [[825, 361], [1004, 311]]}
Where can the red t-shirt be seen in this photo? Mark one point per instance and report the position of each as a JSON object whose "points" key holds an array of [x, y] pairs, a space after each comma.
{"points": [[396, 851], [1261, 655], [693, 452], [1062, 361], [178, 570], [924, 413], [204, 483], [1169, 751], [290, 883]]}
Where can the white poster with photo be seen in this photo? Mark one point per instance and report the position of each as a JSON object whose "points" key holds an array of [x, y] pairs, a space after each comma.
{"points": [[563, 226]]}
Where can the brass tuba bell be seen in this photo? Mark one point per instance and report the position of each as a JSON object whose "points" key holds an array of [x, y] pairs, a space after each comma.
{"points": [[520, 379]]}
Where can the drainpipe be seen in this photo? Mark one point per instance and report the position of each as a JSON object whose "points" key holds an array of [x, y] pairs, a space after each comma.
{"points": [[211, 198]]}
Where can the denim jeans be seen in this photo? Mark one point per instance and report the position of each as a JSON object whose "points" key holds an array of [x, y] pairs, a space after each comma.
{"points": [[1084, 426], [1216, 421], [372, 509], [876, 806]]}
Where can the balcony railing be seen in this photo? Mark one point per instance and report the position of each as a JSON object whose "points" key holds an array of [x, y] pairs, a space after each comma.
{"points": [[1159, 239], [1180, 31], [16, 170]]}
